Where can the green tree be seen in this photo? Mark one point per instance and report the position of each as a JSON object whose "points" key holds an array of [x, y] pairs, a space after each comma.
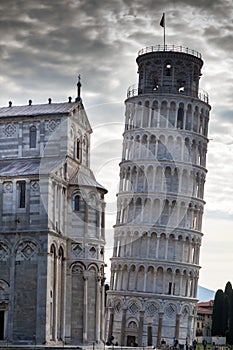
{"points": [[225, 314], [222, 319], [227, 310], [230, 320], [228, 289], [218, 312]]}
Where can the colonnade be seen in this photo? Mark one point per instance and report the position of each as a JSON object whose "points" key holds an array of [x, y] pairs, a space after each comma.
{"points": [[156, 279], [157, 146], [162, 178], [163, 247], [168, 212], [167, 113], [148, 319]]}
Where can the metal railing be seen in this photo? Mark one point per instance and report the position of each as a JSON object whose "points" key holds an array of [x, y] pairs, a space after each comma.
{"points": [[202, 95], [172, 48]]}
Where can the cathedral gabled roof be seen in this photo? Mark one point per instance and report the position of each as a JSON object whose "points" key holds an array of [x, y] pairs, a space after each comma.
{"points": [[40, 109]]}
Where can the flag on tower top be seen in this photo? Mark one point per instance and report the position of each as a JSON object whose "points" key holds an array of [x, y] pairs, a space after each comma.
{"points": [[162, 22]]}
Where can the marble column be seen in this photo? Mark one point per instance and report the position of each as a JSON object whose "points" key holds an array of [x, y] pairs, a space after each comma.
{"points": [[123, 325], [177, 330], [98, 308], [85, 305], [189, 335], [140, 333], [102, 334], [149, 330], [111, 318], [159, 329]]}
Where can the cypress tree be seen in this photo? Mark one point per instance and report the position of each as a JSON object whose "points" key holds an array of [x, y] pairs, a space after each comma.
{"points": [[230, 313], [228, 289], [217, 318], [227, 310], [225, 314]]}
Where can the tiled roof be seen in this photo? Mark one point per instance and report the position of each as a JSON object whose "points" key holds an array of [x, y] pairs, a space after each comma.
{"points": [[83, 179], [204, 311], [32, 110], [19, 167], [206, 303], [22, 167], [205, 308]]}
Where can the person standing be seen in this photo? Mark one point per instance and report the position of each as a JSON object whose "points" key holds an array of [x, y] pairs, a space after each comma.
{"points": [[204, 343], [194, 344]]}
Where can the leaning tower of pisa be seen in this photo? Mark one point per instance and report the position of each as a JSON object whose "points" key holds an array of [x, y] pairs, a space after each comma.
{"points": [[158, 231]]}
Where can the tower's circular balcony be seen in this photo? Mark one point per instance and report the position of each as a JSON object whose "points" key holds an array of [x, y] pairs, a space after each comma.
{"points": [[169, 48], [202, 95]]}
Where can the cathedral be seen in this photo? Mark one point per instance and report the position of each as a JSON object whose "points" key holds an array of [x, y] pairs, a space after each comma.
{"points": [[52, 233], [158, 232]]}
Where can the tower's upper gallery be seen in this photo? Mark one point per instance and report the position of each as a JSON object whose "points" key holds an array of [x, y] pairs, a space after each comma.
{"points": [[169, 69]]}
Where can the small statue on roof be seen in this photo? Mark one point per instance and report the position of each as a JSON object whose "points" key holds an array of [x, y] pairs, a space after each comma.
{"points": [[79, 88]]}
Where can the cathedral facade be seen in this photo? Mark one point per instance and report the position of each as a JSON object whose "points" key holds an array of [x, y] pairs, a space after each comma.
{"points": [[158, 231], [52, 233]]}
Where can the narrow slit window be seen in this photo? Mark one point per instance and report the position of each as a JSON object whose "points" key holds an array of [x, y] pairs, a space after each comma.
{"points": [[78, 150], [170, 288], [22, 194], [32, 137]]}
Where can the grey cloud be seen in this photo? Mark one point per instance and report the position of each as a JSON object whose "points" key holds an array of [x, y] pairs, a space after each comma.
{"points": [[44, 45], [100, 39]]}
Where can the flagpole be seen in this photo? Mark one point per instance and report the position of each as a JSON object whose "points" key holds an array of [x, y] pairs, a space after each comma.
{"points": [[162, 23], [164, 32]]}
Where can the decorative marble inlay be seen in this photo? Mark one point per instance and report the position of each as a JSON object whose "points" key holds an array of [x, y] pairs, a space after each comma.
{"points": [[35, 186], [26, 251], [4, 295], [170, 311], [118, 306], [8, 187], [4, 252], [152, 309], [9, 130], [52, 125], [92, 251], [77, 249], [133, 308]]}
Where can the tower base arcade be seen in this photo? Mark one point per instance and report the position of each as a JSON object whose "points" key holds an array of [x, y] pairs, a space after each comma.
{"points": [[147, 320]]}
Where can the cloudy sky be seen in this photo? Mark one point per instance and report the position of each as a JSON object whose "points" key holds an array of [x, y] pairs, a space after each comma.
{"points": [[45, 44]]}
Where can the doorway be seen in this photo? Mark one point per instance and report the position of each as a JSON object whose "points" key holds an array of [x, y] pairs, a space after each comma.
{"points": [[131, 340], [2, 314]]}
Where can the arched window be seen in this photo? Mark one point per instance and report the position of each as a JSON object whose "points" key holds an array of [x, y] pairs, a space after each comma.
{"points": [[132, 324], [32, 137], [77, 202], [180, 118]]}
